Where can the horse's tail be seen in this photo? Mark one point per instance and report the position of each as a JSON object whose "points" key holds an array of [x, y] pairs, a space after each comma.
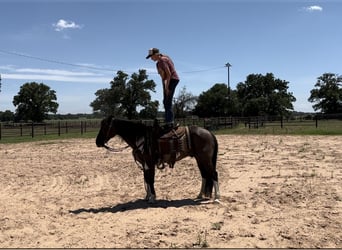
{"points": [[214, 158]]}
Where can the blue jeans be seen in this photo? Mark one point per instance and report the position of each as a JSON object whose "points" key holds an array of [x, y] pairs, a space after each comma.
{"points": [[168, 101]]}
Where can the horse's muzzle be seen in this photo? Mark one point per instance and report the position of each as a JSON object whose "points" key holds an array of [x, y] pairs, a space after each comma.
{"points": [[100, 143]]}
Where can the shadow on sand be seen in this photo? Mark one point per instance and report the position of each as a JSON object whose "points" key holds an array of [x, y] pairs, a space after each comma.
{"points": [[139, 204]]}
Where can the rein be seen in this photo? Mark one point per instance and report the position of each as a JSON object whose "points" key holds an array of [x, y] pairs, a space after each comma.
{"points": [[110, 149]]}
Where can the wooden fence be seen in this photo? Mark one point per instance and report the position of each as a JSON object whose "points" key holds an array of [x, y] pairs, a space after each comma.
{"points": [[64, 127], [84, 126], [48, 128], [278, 121]]}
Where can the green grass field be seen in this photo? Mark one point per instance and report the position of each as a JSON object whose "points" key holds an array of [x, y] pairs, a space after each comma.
{"points": [[20, 139], [325, 127]]}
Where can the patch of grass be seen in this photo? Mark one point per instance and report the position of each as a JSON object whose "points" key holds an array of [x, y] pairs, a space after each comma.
{"points": [[325, 127], [49, 138], [201, 241], [217, 225]]}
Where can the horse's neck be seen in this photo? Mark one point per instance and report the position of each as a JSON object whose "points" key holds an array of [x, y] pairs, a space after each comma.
{"points": [[131, 133], [132, 140]]}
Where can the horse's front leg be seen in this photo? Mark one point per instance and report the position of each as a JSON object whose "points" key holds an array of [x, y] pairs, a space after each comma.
{"points": [[149, 172]]}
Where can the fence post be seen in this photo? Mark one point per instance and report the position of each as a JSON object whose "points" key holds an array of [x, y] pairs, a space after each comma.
{"points": [[316, 118], [281, 121], [0, 130], [81, 127], [32, 129], [59, 128]]}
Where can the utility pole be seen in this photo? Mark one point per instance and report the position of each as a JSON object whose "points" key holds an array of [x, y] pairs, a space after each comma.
{"points": [[0, 82], [228, 65]]}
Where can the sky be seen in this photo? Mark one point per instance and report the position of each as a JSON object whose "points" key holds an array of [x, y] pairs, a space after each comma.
{"points": [[76, 47]]}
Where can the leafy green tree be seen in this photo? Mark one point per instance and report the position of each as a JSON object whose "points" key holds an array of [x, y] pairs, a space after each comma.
{"points": [[184, 103], [6, 116], [34, 101], [150, 110], [214, 102], [108, 101], [125, 95], [264, 95], [327, 94]]}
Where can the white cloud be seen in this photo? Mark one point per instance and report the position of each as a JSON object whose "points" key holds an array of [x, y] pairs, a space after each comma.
{"points": [[55, 72], [56, 75], [313, 8], [63, 24], [37, 77]]}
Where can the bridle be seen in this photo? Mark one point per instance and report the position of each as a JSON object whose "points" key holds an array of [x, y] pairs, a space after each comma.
{"points": [[107, 136]]}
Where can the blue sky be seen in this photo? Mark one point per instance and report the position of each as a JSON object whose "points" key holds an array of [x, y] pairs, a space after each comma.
{"points": [[76, 47]]}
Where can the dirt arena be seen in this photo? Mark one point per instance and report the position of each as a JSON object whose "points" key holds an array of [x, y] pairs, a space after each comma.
{"points": [[276, 192]]}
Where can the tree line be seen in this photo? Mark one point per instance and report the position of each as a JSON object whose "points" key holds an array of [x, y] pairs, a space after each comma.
{"points": [[130, 97]]}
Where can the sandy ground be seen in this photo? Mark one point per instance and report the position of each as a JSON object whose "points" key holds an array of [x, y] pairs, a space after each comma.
{"points": [[277, 191]]}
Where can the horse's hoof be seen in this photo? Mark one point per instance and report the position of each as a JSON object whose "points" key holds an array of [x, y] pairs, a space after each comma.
{"points": [[151, 199], [199, 197]]}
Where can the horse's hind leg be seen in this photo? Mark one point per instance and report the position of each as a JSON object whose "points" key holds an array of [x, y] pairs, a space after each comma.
{"points": [[202, 191], [209, 181], [217, 191]]}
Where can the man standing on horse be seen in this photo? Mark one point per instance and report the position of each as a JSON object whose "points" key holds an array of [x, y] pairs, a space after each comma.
{"points": [[170, 79]]}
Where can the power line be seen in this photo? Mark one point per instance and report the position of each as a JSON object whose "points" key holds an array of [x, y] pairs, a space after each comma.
{"points": [[203, 70], [55, 61], [91, 67]]}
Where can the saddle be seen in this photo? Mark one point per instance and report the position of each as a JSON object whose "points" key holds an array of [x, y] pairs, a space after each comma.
{"points": [[173, 145]]}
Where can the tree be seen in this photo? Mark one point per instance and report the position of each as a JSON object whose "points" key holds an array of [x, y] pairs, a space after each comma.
{"points": [[6, 116], [213, 103], [184, 103], [327, 94], [261, 95], [125, 96], [150, 110], [34, 101], [108, 101]]}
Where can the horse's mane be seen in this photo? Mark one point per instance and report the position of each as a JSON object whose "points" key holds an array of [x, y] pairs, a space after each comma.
{"points": [[128, 128]]}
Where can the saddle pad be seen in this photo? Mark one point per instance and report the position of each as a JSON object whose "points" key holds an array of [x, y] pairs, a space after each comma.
{"points": [[174, 133], [173, 141]]}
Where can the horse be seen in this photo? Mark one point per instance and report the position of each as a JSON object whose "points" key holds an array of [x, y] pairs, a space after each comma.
{"points": [[152, 147]]}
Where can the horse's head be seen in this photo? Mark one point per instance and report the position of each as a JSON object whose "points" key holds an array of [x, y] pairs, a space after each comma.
{"points": [[107, 131]]}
